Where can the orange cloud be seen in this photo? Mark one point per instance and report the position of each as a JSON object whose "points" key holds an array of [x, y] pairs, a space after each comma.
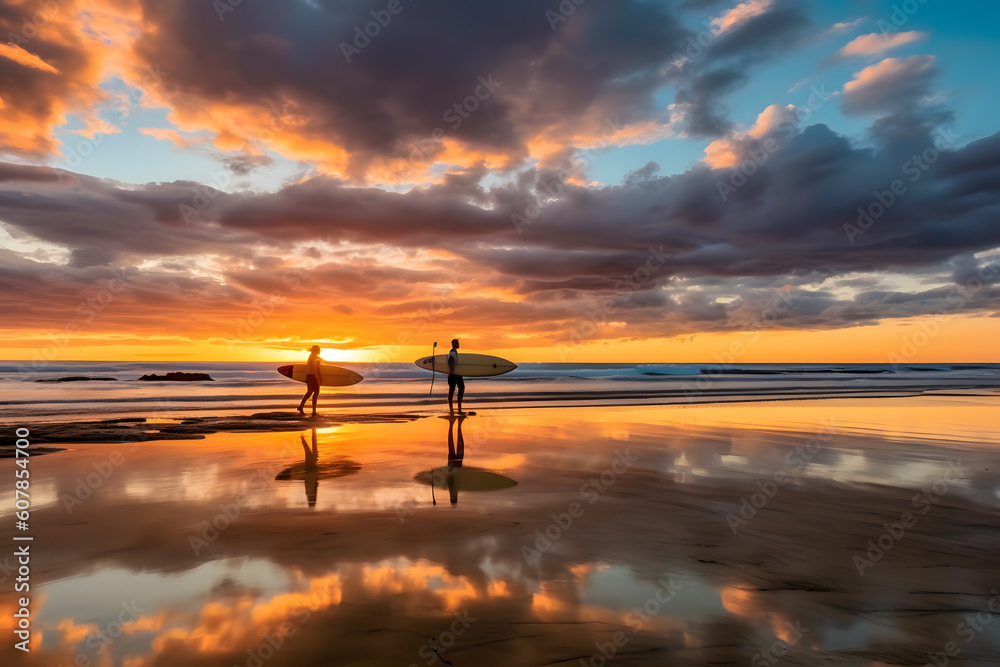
{"points": [[54, 69], [732, 150], [890, 85], [740, 14], [875, 43], [72, 633], [874, 75], [19, 55], [383, 579]]}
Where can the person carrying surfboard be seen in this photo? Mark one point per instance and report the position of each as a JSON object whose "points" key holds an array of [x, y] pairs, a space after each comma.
{"points": [[454, 380], [314, 378]]}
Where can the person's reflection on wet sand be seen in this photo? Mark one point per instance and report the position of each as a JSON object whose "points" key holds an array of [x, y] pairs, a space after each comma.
{"points": [[310, 470], [311, 476], [455, 455], [456, 476]]}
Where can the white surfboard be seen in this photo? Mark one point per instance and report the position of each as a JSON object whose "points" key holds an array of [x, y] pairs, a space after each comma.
{"points": [[469, 365]]}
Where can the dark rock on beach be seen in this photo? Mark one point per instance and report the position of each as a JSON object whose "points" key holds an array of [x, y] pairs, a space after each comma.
{"points": [[178, 377], [10, 451], [77, 378], [133, 430]]}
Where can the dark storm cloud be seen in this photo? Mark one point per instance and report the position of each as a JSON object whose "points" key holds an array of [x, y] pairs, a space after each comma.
{"points": [[777, 29], [83, 257], [294, 71], [243, 165], [702, 96], [29, 174], [396, 88], [379, 96], [99, 220], [328, 206]]}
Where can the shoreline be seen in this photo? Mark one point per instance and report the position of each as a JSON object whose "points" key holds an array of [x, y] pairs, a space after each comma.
{"points": [[176, 426], [242, 390], [493, 401], [139, 429]]}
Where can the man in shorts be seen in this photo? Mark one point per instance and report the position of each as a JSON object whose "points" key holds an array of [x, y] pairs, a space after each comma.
{"points": [[454, 380]]}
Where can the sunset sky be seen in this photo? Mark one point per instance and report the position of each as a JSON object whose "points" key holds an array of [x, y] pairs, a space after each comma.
{"points": [[638, 180]]}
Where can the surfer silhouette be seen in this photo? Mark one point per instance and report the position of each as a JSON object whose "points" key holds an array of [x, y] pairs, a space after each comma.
{"points": [[454, 380], [314, 377]]}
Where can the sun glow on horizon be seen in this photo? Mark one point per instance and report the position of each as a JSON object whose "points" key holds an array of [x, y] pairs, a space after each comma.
{"points": [[957, 339], [333, 354]]}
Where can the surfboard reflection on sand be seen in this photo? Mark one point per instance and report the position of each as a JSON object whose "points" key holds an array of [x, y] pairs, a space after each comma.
{"points": [[458, 477], [311, 470]]}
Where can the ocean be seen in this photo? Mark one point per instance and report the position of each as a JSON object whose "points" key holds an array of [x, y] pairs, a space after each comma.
{"points": [[30, 394]]}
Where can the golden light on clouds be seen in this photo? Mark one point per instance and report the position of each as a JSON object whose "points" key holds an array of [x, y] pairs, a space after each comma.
{"points": [[340, 207], [26, 58]]}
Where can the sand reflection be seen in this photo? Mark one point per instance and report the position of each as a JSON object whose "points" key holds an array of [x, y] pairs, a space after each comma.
{"points": [[300, 569]]}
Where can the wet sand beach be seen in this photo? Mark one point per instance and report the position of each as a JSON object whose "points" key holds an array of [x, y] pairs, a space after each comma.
{"points": [[842, 531]]}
